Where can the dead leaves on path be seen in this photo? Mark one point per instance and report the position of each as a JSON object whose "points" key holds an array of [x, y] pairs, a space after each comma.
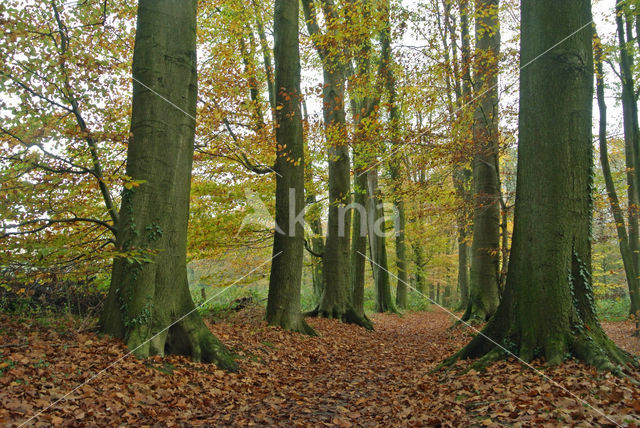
{"points": [[347, 377]]}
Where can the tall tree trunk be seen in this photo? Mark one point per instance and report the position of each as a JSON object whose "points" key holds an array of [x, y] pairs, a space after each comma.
{"points": [[418, 260], [358, 232], [484, 293], [361, 108], [402, 290], [335, 301], [547, 309], [632, 146], [266, 54], [317, 246], [283, 303], [149, 304], [462, 177], [377, 244], [395, 161], [461, 76]]}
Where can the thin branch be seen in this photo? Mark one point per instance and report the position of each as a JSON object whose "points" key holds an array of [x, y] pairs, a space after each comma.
{"points": [[50, 222], [313, 253]]}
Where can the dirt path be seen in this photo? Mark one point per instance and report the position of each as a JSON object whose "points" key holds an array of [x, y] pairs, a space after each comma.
{"points": [[346, 377]]}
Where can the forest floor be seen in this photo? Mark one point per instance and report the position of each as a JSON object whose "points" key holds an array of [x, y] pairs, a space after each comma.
{"points": [[346, 377]]}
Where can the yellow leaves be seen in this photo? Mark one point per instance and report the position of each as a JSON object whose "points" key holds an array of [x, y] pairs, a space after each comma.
{"points": [[131, 184]]}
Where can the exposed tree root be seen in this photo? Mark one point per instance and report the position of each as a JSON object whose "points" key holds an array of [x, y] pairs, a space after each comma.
{"points": [[588, 345], [296, 324], [349, 316], [189, 337]]}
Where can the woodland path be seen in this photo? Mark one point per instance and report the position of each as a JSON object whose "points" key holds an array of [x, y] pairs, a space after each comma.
{"points": [[346, 377]]}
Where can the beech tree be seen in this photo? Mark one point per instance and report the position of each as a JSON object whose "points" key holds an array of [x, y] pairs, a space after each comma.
{"points": [[548, 305], [483, 281], [335, 300], [612, 194], [632, 149], [283, 304], [149, 304]]}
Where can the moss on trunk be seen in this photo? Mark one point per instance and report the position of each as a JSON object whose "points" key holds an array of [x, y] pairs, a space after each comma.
{"points": [[149, 304], [548, 305]]}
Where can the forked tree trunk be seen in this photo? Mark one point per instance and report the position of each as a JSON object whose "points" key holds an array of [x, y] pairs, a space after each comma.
{"points": [[335, 301], [283, 303], [336, 298], [149, 304], [548, 305], [484, 293]]}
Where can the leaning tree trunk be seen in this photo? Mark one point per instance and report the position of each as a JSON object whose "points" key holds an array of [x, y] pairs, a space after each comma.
{"points": [[485, 246], [548, 305], [149, 304], [283, 303]]}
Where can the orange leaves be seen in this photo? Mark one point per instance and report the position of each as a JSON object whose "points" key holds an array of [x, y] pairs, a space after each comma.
{"points": [[347, 377]]}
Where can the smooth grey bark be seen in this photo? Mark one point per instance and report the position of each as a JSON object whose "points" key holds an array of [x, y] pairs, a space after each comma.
{"points": [[485, 247], [548, 305], [283, 302], [149, 304]]}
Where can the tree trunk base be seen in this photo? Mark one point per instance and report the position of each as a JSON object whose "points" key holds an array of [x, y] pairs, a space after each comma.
{"points": [[475, 315], [350, 316], [589, 345], [388, 308], [296, 324], [189, 336]]}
